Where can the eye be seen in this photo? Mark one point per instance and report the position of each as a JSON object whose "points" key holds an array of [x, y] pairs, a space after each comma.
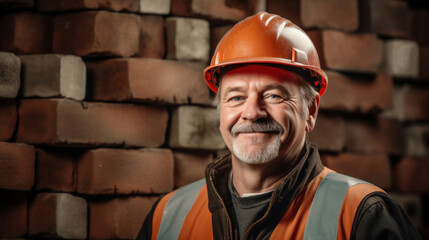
{"points": [[274, 98], [235, 99]]}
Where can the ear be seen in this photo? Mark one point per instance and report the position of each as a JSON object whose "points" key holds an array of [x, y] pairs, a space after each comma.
{"points": [[313, 110]]}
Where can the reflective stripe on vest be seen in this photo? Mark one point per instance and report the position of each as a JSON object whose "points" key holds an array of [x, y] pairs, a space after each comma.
{"points": [[322, 221], [177, 209]]}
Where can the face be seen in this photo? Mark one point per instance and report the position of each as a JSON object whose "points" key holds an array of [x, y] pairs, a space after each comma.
{"points": [[261, 114]]}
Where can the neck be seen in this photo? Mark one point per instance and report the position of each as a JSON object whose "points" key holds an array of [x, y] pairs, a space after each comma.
{"points": [[251, 178]]}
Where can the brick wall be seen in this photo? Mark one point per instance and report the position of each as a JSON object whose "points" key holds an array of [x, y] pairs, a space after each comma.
{"points": [[103, 107]]}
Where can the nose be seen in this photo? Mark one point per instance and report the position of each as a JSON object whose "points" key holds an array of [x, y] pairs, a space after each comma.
{"points": [[254, 109]]}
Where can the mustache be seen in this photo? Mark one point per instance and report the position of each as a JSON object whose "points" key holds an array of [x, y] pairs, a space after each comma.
{"points": [[258, 126]]}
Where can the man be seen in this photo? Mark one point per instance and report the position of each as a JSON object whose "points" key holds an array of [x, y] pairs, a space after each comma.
{"points": [[268, 80]]}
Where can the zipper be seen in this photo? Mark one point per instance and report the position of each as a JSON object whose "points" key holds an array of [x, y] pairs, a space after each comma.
{"points": [[259, 220], [224, 207]]}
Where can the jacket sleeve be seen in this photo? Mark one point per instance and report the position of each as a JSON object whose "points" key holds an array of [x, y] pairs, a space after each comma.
{"points": [[145, 232], [379, 217]]}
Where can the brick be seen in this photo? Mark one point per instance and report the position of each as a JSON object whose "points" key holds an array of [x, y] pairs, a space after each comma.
{"points": [[385, 17], [55, 170], [352, 52], [316, 37], [8, 118], [156, 7], [60, 215], [212, 10], [423, 62], [16, 166], [402, 58], [13, 214], [16, 4], [413, 206], [152, 37], [27, 33], [417, 140], [409, 103], [10, 70], [147, 80], [67, 5], [67, 122], [195, 127], [118, 218], [290, 9], [96, 33], [329, 133], [373, 168], [52, 75], [358, 93], [118, 171], [411, 175], [418, 31], [379, 135], [190, 166], [330, 14], [216, 35], [187, 39]]}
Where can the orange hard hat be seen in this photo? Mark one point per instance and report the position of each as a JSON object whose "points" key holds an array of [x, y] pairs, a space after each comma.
{"points": [[266, 38]]}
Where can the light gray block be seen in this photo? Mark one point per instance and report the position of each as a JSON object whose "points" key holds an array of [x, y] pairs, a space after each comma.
{"points": [[53, 75], [416, 143], [155, 6], [10, 69], [402, 58], [195, 127], [188, 39], [71, 216]]}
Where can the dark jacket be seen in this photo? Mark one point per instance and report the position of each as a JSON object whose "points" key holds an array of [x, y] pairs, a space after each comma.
{"points": [[377, 217]]}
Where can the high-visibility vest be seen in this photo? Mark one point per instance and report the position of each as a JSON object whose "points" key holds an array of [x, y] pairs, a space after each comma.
{"points": [[324, 209]]}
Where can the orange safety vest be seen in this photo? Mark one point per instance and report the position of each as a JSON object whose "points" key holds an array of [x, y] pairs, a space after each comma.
{"points": [[324, 209]]}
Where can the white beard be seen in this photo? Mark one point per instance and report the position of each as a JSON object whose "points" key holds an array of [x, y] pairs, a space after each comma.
{"points": [[266, 153]]}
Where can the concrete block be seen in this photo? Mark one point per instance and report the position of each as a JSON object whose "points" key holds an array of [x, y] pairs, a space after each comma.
{"points": [[10, 70], [155, 6], [416, 140], [402, 58], [52, 75], [188, 39], [195, 127]]}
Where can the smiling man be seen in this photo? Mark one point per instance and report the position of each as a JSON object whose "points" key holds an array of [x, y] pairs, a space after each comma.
{"points": [[268, 80]]}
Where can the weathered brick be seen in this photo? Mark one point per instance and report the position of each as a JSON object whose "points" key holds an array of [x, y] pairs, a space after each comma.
{"points": [[423, 62], [379, 135], [52, 75], [58, 215], [385, 17], [118, 218], [119, 171], [411, 175], [187, 39], [10, 70], [195, 127], [8, 118], [157, 7], [152, 80], [16, 166], [329, 133], [409, 103], [417, 140], [216, 35], [55, 170], [358, 93], [418, 30], [26, 32], [290, 9], [96, 33], [67, 122], [354, 52], [13, 214], [213, 10], [16, 4], [316, 37], [413, 206], [67, 5], [189, 166], [374, 168], [332, 14], [152, 37], [402, 58]]}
